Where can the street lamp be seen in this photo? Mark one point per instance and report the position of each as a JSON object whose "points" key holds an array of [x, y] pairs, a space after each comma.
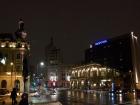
{"points": [[135, 59], [11, 73], [40, 73], [41, 64]]}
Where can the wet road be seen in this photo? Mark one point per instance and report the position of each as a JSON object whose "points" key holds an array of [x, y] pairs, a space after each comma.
{"points": [[96, 98], [68, 97]]}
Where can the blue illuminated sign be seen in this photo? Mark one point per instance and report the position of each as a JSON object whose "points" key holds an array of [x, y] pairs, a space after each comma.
{"points": [[101, 42]]}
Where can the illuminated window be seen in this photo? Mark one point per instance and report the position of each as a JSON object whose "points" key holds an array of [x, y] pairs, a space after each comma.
{"points": [[68, 78], [102, 73], [91, 73], [22, 45], [90, 45], [3, 44], [82, 82], [53, 78], [78, 73]]}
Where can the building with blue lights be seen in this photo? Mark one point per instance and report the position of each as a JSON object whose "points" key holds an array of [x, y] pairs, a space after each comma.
{"points": [[120, 53]]}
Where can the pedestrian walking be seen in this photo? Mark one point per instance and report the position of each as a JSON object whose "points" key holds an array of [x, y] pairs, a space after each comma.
{"points": [[14, 96], [24, 99]]}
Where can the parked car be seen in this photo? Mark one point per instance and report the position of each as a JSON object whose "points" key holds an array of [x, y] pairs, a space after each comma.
{"points": [[3, 91]]}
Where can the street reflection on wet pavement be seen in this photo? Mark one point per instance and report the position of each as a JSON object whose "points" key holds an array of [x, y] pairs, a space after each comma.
{"points": [[72, 97], [96, 98]]}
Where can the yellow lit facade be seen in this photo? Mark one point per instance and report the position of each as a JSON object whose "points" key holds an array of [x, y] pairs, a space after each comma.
{"points": [[94, 76], [12, 52]]}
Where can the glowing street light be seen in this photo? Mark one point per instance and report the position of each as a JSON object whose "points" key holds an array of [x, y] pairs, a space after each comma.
{"points": [[41, 63], [39, 72], [8, 73], [12, 64]]}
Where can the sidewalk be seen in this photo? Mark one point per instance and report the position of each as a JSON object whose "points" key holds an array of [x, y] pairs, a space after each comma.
{"points": [[7, 99]]}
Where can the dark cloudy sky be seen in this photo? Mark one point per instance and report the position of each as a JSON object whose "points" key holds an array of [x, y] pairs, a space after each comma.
{"points": [[74, 25]]}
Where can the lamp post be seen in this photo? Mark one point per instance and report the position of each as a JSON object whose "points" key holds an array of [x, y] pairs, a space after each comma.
{"points": [[11, 73], [135, 59], [40, 65], [26, 76], [40, 72]]}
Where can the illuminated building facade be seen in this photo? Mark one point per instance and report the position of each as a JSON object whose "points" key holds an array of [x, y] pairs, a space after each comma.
{"points": [[94, 76], [13, 48], [57, 74], [120, 53]]}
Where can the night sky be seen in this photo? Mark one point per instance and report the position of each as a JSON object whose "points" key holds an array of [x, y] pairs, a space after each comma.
{"points": [[74, 25]]}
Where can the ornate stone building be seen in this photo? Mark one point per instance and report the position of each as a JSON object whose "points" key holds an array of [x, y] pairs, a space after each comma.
{"points": [[94, 76], [13, 50], [57, 74]]}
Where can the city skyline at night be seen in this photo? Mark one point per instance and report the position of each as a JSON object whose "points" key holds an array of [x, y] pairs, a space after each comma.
{"points": [[74, 25], [70, 52]]}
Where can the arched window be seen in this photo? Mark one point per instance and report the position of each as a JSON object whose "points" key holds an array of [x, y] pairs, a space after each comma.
{"points": [[3, 84], [17, 85]]}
